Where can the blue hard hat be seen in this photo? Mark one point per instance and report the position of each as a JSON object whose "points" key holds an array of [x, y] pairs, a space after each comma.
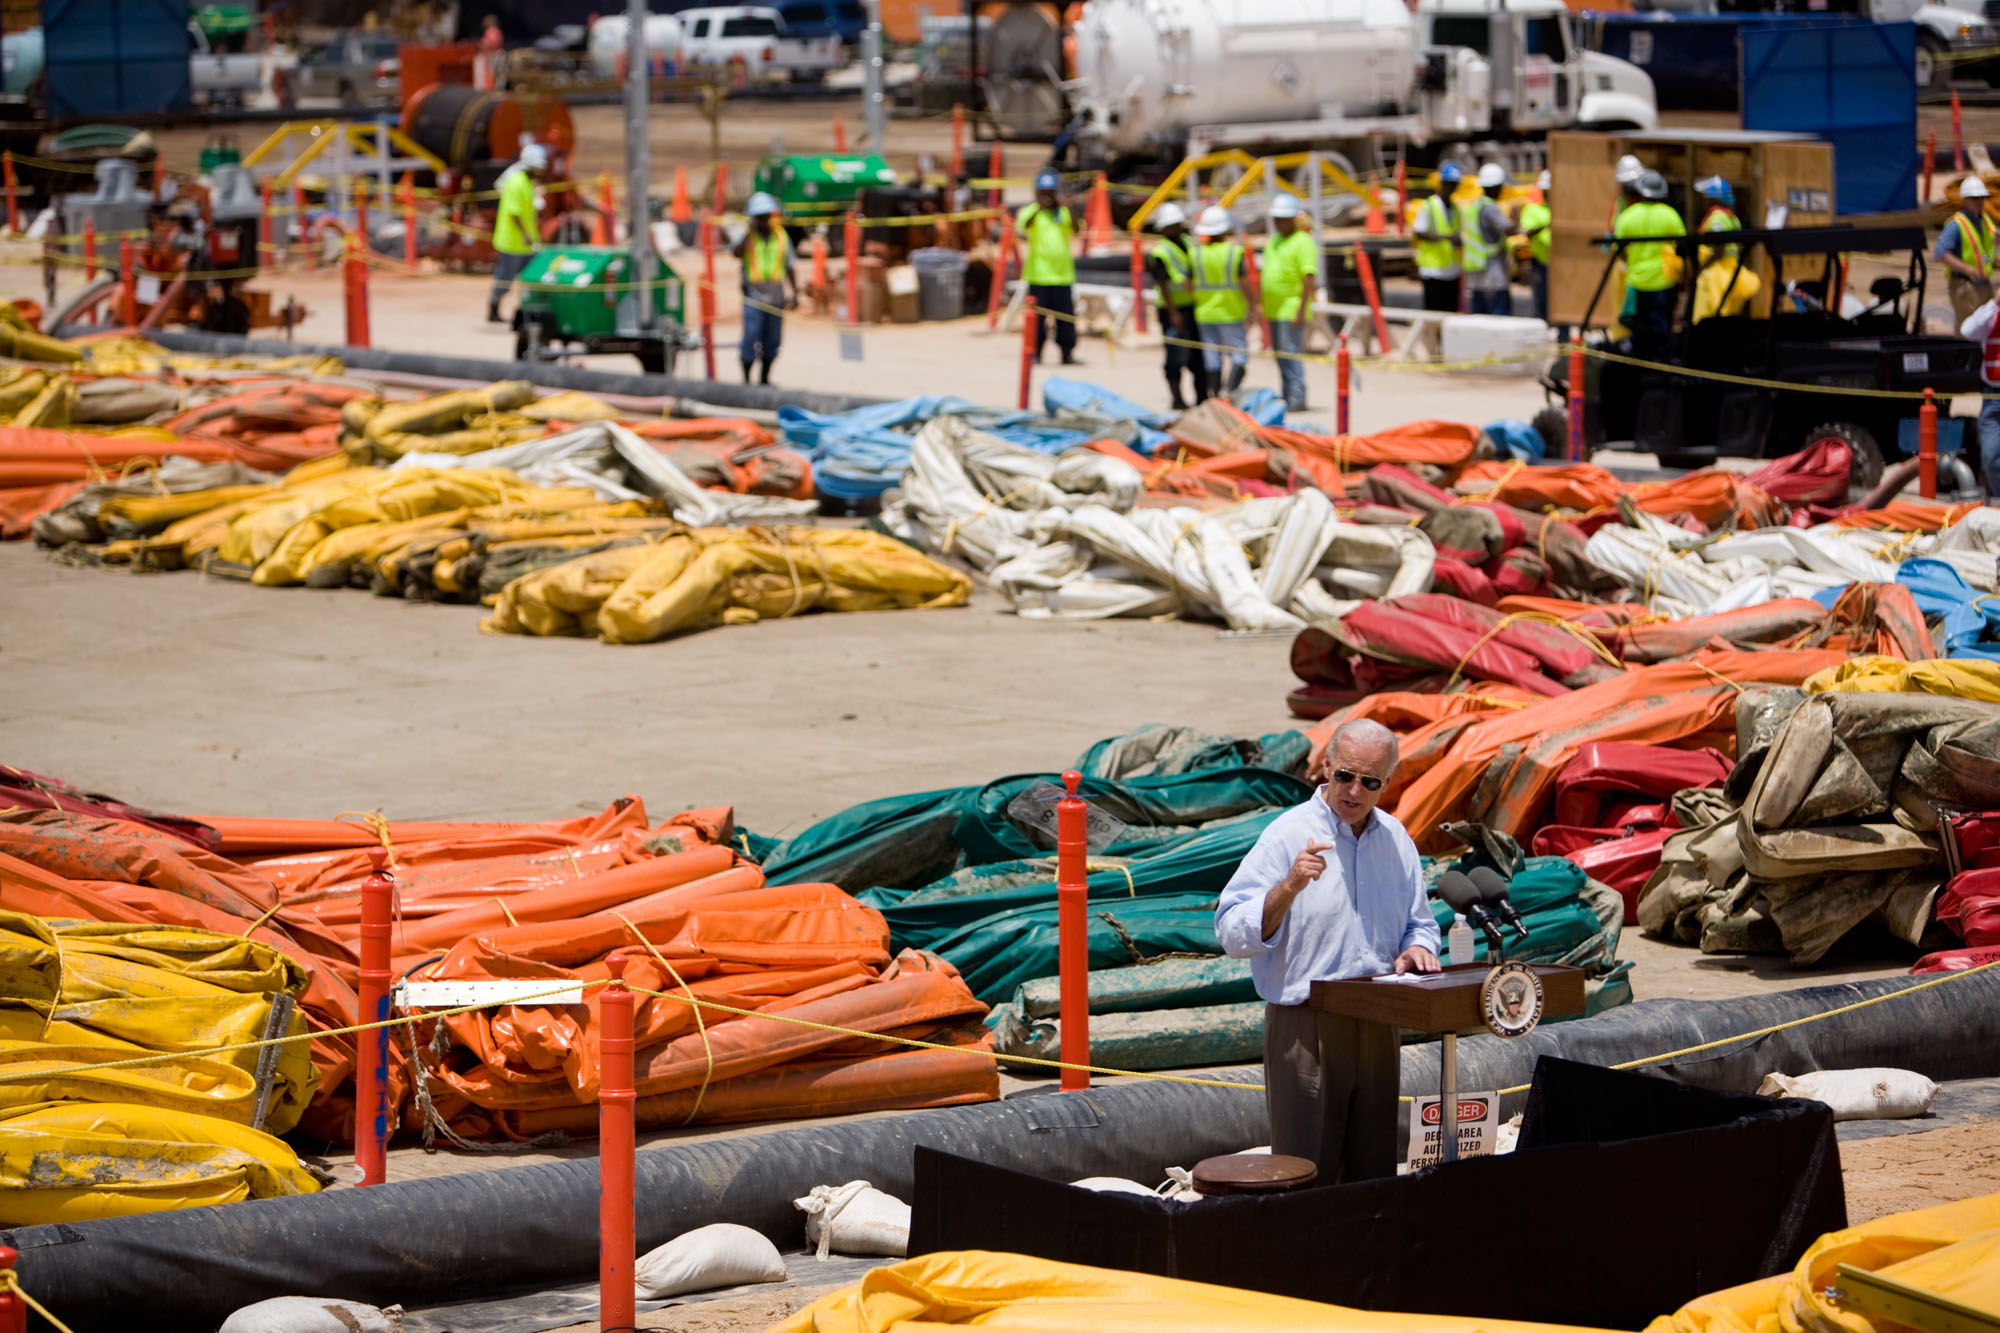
{"points": [[1048, 180], [1716, 188], [1451, 173]]}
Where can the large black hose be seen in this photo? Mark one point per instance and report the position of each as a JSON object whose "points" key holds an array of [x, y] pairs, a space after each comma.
{"points": [[426, 1241], [548, 375]]}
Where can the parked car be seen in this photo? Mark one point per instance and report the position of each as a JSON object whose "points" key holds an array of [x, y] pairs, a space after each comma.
{"points": [[845, 19], [354, 67], [758, 38]]}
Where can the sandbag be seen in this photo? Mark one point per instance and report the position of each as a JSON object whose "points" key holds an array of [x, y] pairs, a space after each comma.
{"points": [[721, 1254], [1858, 1094], [313, 1314], [855, 1218]]}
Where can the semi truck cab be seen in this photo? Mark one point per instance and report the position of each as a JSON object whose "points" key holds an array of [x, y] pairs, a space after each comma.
{"points": [[1515, 67]]}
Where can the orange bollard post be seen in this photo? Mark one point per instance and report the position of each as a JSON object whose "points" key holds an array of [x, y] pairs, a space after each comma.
{"points": [[996, 168], [681, 210], [617, 1124], [13, 200], [89, 249], [1073, 933], [1927, 447], [607, 208], [1257, 295], [996, 293], [361, 208], [839, 134], [850, 237], [1138, 282], [357, 293], [1028, 319], [708, 293], [1343, 367], [128, 286], [1402, 198], [1957, 134], [13, 1310], [1930, 166], [1576, 388], [720, 203], [298, 227], [1365, 270], [819, 284], [264, 259], [371, 1050], [957, 144], [410, 225]]}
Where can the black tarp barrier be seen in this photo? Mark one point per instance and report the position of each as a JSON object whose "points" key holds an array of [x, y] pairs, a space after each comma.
{"points": [[1629, 1195]]}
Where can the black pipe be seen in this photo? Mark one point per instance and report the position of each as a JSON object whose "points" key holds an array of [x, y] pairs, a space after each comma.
{"points": [[549, 375], [422, 1242]]}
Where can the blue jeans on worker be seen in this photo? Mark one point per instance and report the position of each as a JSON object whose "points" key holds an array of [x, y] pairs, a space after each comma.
{"points": [[763, 330], [1989, 443], [1290, 337], [1235, 340], [506, 268], [1499, 301]]}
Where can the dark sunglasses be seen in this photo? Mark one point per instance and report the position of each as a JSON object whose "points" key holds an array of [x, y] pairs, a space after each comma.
{"points": [[1343, 776]]}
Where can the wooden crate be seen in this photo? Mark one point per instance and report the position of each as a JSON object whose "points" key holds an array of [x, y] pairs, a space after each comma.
{"points": [[1793, 170]]}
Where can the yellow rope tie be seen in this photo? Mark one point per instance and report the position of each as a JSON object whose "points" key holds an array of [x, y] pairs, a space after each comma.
{"points": [[575, 864], [269, 912], [377, 825], [11, 1281], [687, 997], [1719, 676], [1570, 627], [506, 911], [1131, 887]]}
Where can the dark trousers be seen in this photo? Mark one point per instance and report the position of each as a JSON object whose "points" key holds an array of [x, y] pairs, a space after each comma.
{"points": [[1500, 301], [1184, 351], [1441, 294], [1330, 1085], [1652, 322], [1060, 301]]}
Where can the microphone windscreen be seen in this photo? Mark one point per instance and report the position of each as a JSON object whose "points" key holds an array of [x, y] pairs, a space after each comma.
{"points": [[1488, 884], [1457, 890]]}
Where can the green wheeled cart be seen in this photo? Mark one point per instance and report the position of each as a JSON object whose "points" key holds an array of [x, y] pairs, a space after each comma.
{"points": [[580, 299]]}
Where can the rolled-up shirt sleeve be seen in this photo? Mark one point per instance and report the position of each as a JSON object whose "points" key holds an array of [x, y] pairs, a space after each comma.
{"points": [[1239, 913], [1421, 928]]}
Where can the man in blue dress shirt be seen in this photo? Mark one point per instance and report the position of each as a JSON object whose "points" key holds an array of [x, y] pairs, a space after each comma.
{"points": [[1332, 890]]}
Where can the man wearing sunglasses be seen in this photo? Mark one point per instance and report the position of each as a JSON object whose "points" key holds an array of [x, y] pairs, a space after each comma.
{"points": [[1332, 890]]}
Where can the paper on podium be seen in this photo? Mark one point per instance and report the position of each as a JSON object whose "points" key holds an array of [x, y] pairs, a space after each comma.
{"points": [[1405, 978]]}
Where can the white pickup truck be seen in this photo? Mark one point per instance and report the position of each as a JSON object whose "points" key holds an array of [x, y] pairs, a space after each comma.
{"points": [[757, 37]]}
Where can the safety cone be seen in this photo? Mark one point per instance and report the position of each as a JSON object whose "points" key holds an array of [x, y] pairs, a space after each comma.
{"points": [[819, 288], [682, 211], [1374, 223], [839, 135], [1097, 212]]}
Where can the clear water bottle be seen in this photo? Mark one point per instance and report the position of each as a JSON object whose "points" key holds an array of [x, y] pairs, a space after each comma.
{"points": [[1458, 947]]}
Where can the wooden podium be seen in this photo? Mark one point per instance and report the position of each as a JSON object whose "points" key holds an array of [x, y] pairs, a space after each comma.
{"points": [[1445, 1003]]}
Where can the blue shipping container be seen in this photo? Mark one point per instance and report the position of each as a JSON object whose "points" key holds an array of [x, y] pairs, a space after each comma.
{"points": [[1852, 84], [116, 57], [1695, 60]]}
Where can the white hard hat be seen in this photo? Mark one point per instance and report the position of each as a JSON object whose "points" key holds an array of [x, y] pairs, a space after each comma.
{"points": [[1629, 170], [1285, 206], [1168, 215], [1215, 221], [1544, 181], [1973, 188], [535, 157], [760, 204], [1492, 174]]}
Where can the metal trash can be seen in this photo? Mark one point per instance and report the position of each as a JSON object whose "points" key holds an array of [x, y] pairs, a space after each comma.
{"points": [[940, 282]]}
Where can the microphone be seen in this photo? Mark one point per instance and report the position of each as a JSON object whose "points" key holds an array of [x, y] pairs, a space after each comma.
{"points": [[1463, 897], [1493, 891]]}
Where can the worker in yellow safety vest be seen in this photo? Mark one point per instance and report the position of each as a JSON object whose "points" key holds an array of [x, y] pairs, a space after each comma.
{"points": [[1436, 230], [769, 286], [1482, 245], [516, 232], [1536, 220], [1172, 266], [1966, 248], [1221, 298], [1290, 283], [1049, 231], [1721, 215], [1652, 268]]}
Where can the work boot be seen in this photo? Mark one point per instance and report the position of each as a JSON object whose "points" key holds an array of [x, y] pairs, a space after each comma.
{"points": [[764, 376], [1235, 381], [493, 313], [747, 366]]}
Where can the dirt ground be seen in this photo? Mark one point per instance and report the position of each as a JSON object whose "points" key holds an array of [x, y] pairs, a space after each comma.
{"points": [[1905, 1171]]}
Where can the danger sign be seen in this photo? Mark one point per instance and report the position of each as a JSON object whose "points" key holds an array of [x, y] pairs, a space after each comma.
{"points": [[1478, 1113]]}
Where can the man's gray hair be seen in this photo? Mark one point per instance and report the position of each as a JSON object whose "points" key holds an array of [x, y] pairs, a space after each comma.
{"points": [[1365, 731]]}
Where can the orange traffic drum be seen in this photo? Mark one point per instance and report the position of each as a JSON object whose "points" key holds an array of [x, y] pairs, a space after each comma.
{"points": [[1253, 1173]]}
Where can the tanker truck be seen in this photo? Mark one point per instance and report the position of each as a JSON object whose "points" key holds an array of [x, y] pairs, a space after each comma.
{"points": [[1160, 79]]}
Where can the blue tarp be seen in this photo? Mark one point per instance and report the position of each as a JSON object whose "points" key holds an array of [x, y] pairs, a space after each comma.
{"points": [[1971, 622], [1852, 84], [860, 454]]}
